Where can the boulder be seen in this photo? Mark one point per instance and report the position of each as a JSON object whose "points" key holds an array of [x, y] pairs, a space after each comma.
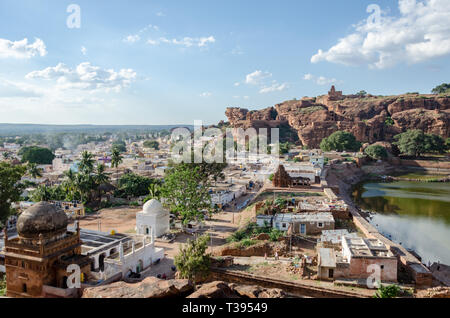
{"points": [[250, 291], [216, 289], [150, 287]]}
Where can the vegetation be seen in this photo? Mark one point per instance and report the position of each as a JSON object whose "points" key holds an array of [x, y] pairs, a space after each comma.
{"points": [[187, 192], [33, 171], [10, 187], [133, 185], [119, 146], [416, 142], [376, 152], [285, 147], [340, 141], [247, 234], [362, 93], [389, 122], [441, 89], [3, 286], [37, 155], [116, 159], [151, 144], [387, 291], [192, 262]]}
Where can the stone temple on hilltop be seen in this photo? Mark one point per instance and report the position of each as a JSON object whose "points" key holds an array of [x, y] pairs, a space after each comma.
{"points": [[153, 219]]}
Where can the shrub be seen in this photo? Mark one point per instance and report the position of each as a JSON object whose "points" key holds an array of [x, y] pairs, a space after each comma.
{"points": [[390, 291], [275, 234]]}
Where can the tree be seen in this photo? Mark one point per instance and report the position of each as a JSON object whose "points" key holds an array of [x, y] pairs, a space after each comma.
{"points": [[434, 144], [192, 262], [100, 177], [184, 195], [33, 171], [86, 164], [447, 144], [133, 185], [284, 148], [116, 160], [361, 93], [340, 141], [151, 144], [415, 143], [154, 192], [441, 89], [376, 152], [121, 146], [10, 187], [37, 155]]}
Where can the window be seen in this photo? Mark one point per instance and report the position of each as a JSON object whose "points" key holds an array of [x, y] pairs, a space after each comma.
{"points": [[382, 266], [320, 224], [24, 288], [284, 225]]}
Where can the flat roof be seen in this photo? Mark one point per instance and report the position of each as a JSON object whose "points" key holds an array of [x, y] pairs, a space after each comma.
{"points": [[304, 217], [327, 257]]}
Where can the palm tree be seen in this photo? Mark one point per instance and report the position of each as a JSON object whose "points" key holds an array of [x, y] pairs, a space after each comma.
{"points": [[69, 184], [116, 160], [100, 177], [155, 191], [34, 171], [86, 164]]}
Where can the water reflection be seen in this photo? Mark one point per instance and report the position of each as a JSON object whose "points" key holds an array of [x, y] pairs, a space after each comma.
{"points": [[415, 214]]}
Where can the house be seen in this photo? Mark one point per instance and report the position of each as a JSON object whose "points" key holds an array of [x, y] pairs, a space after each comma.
{"points": [[356, 260], [303, 223]]}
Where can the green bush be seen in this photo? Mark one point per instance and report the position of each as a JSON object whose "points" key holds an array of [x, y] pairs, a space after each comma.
{"points": [[275, 234], [387, 291], [3, 286], [247, 243]]}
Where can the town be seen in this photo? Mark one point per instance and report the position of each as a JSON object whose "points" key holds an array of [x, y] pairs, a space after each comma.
{"points": [[118, 207], [221, 157]]}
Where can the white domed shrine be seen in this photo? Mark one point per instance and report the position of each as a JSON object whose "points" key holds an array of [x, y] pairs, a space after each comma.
{"points": [[153, 219]]}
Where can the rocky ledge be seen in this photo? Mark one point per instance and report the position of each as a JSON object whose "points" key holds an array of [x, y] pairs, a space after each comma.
{"points": [[370, 118]]}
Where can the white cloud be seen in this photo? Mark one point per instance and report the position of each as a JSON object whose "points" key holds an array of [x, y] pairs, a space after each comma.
{"points": [[9, 89], [319, 80], [185, 42], [420, 33], [237, 84], [84, 50], [205, 94], [160, 14], [257, 77], [275, 87], [132, 38], [21, 49], [86, 77]]}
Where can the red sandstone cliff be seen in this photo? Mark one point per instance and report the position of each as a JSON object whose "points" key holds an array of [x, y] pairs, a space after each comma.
{"points": [[313, 119]]}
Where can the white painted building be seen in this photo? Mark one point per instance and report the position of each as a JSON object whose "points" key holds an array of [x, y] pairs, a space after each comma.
{"points": [[154, 218]]}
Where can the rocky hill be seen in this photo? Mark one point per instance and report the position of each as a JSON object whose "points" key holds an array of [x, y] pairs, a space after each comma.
{"points": [[370, 118]]}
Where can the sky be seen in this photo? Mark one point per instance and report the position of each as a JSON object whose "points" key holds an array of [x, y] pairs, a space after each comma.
{"points": [[172, 62]]}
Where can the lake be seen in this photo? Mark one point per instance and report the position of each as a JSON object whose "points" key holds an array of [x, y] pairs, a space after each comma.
{"points": [[415, 214]]}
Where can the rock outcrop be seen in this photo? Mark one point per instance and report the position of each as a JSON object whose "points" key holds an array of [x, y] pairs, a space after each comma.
{"points": [[313, 119], [219, 289], [150, 287]]}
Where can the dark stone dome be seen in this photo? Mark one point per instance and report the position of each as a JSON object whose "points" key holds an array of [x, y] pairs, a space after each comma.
{"points": [[41, 218]]}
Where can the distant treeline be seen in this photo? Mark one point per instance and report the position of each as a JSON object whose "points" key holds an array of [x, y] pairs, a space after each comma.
{"points": [[24, 129]]}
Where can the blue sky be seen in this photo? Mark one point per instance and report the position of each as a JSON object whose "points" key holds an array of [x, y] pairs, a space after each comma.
{"points": [[173, 62]]}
